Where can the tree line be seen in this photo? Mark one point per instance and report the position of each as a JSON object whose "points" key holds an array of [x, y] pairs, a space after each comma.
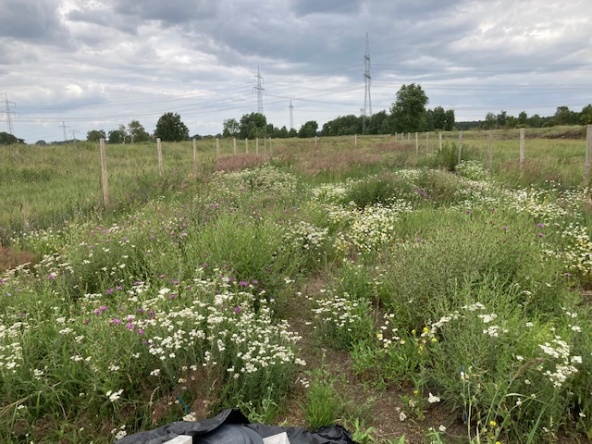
{"points": [[563, 116], [408, 113]]}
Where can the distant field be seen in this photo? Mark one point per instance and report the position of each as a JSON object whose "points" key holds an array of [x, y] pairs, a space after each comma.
{"points": [[43, 186]]}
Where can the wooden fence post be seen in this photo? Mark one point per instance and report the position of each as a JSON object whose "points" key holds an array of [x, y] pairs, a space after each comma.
{"points": [[234, 145], [522, 153], [588, 162], [416, 143], [355, 140], [427, 141], [246, 145], [159, 151], [490, 152], [217, 147], [195, 157], [459, 146], [104, 175], [257, 145], [439, 140]]}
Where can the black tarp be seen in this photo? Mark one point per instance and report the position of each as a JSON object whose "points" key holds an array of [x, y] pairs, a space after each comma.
{"points": [[209, 430]]}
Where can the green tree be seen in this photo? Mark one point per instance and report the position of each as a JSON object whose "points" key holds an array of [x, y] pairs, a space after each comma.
{"points": [[292, 132], [535, 121], [586, 115], [490, 121], [344, 126], [522, 118], [379, 123], [409, 110], [252, 126], [502, 119], [438, 118], [115, 137], [136, 132], [564, 116], [95, 135], [449, 120], [230, 128], [7, 138], [170, 128], [309, 129]]}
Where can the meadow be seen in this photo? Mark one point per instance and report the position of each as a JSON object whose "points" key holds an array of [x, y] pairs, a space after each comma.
{"points": [[408, 297]]}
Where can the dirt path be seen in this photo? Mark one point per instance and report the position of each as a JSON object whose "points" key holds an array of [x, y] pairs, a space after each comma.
{"points": [[377, 406]]}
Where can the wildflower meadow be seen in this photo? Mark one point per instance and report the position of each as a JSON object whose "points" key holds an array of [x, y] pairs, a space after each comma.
{"points": [[405, 301]]}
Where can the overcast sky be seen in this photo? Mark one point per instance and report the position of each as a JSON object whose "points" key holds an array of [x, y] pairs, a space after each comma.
{"points": [[95, 64]]}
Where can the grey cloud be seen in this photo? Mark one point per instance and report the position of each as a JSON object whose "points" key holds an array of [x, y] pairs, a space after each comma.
{"points": [[169, 12], [306, 7], [106, 18], [29, 19]]}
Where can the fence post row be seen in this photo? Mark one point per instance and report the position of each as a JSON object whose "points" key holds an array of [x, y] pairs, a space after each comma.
{"points": [[159, 151], [195, 157], [588, 159], [522, 153], [459, 146], [104, 176], [490, 152]]}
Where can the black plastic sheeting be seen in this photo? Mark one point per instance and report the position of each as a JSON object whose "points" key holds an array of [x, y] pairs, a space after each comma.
{"points": [[232, 427]]}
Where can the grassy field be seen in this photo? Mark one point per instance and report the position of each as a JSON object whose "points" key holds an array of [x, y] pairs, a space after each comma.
{"points": [[385, 288]]}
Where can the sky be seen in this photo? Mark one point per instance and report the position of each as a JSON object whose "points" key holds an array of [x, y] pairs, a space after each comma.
{"points": [[70, 66]]}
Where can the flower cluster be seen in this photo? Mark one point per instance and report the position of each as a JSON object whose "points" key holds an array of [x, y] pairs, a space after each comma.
{"points": [[306, 236]]}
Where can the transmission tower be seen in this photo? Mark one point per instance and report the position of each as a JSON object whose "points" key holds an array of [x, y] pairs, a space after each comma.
{"points": [[259, 90], [64, 126], [291, 115], [367, 81], [9, 114]]}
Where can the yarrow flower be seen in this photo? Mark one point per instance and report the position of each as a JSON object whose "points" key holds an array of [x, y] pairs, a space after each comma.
{"points": [[114, 396]]}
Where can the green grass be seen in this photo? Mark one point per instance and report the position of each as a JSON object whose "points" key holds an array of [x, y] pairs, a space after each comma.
{"points": [[190, 294]]}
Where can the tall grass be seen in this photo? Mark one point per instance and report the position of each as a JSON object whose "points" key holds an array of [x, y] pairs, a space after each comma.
{"points": [[456, 288]]}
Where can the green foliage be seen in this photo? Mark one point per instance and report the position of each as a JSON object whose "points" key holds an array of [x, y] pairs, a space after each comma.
{"points": [[323, 406], [170, 128], [408, 111], [95, 135], [447, 157], [252, 126], [309, 129], [137, 133], [230, 128], [461, 292], [116, 136], [7, 138], [344, 125]]}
